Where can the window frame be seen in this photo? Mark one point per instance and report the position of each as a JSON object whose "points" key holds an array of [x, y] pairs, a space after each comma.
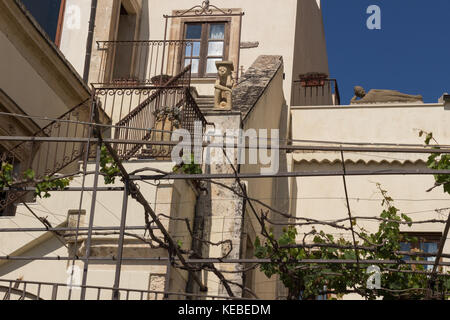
{"points": [[423, 237], [60, 24], [204, 41]]}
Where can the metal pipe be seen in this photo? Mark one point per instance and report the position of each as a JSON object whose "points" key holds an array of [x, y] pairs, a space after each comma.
{"points": [[91, 222], [344, 180], [83, 183], [428, 150], [163, 260], [385, 172], [116, 293], [7, 230], [75, 189], [164, 52], [51, 284], [239, 49]]}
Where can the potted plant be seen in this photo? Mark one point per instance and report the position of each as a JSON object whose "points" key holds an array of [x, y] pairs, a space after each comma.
{"points": [[160, 79]]}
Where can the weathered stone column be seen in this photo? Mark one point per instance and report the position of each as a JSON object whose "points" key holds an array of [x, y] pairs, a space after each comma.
{"points": [[224, 213]]}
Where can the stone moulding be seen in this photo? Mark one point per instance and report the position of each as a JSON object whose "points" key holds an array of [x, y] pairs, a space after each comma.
{"points": [[249, 44], [254, 82]]}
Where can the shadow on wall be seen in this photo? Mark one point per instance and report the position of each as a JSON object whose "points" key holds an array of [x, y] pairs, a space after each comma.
{"points": [[280, 187], [144, 31], [51, 246]]}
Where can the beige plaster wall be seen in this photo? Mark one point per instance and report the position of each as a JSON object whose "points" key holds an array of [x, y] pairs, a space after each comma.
{"points": [[20, 77], [391, 123], [34, 74], [323, 197], [270, 112], [172, 198]]}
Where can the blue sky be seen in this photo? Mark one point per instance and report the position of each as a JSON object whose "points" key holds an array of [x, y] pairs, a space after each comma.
{"points": [[411, 52]]}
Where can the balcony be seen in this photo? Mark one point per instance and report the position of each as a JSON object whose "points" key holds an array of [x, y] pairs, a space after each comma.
{"points": [[315, 89], [131, 63], [145, 111]]}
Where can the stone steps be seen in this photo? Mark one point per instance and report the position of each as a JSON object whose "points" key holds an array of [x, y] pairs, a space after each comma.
{"points": [[205, 102]]}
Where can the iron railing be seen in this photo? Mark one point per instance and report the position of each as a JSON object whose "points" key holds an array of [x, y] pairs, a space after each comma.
{"points": [[325, 94], [38, 290], [149, 113], [151, 62], [47, 158]]}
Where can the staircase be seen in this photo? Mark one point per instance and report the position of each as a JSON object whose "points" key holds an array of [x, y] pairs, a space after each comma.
{"points": [[48, 158], [205, 102]]}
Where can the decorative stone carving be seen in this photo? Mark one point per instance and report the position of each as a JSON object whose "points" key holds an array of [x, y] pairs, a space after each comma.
{"points": [[224, 85], [249, 44], [383, 96]]}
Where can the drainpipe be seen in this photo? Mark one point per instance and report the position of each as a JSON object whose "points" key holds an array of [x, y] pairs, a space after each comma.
{"points": [[90, 38]]}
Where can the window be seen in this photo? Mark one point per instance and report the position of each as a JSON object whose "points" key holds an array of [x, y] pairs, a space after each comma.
{"points": [[322, 296], [426, 243], [123, 68], [49, 14], [209, 44]]}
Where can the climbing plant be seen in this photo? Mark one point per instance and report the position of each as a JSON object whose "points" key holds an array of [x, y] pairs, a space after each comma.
{"points": [[42, 186], [108, 167], [438, 161], [398, 281], [188, 166]]}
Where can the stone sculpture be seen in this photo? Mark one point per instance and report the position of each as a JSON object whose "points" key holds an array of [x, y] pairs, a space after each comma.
{"points": [[383, 96], [224, 85]]}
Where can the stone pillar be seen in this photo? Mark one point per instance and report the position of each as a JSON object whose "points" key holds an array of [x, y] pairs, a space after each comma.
{"points": [[72, 222], [106, 24], [224, 213]]}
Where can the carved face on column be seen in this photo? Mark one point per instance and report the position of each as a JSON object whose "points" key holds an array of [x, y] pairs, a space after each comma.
{"points": [[224, 69]]}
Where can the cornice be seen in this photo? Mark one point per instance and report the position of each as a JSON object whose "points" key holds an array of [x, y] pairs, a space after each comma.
{"points": [[41, 53]]}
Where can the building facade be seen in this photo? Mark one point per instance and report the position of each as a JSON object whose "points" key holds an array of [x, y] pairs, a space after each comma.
{"points": [[149, 68]]}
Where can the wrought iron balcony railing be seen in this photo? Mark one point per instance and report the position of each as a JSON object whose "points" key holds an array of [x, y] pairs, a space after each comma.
{"points": [[151, 62], [149, 113], [47, 158], [322, 92]]}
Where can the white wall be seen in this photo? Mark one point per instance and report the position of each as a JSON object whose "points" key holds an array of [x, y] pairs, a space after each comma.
{"points": [[323, 198], [20, 77], [75, 31]]}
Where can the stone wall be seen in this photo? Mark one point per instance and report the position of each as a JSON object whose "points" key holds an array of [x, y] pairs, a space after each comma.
{"points": [[254, 82]]}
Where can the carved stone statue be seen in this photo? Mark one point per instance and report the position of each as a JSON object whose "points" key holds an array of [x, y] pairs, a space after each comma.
{"points": [[383, 96], [224, 85]]}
